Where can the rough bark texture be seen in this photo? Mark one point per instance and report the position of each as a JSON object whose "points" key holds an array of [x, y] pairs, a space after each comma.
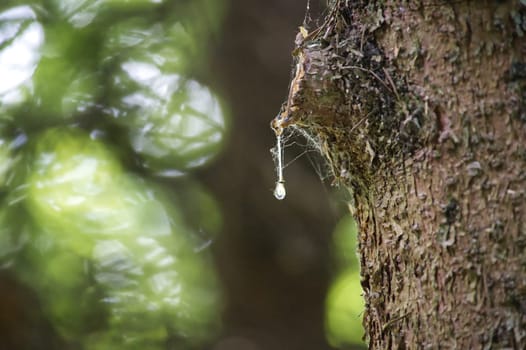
{"points": [[419, 108]]}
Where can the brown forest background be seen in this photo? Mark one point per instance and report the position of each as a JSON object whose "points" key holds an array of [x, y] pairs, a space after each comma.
{"points": [[273, 255]]}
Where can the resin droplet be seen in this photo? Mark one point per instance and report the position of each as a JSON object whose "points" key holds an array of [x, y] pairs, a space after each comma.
{"points": [[279, 191]]}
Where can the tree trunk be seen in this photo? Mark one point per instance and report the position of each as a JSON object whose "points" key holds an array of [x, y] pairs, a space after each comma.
{"points": [[418, 107]]}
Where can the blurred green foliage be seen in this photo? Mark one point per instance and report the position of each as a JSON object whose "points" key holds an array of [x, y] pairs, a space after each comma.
{"points": [[345, 304], [97, 98], [5, 161]]}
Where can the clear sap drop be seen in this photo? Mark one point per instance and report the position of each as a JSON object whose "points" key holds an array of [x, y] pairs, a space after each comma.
{"points": [[279, 191]]}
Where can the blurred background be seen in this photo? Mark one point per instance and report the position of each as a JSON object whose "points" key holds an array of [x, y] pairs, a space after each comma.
{"points": [[136, 179]]}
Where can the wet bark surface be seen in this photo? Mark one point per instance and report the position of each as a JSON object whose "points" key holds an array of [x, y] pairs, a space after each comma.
{"points": [[419, 110]]}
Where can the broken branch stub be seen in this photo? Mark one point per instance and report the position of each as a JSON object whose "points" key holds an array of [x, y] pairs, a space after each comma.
{"points": [[350, 100]]}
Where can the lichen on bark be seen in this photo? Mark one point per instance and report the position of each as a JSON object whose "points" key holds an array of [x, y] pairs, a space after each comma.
{"points": [[418, 108]]}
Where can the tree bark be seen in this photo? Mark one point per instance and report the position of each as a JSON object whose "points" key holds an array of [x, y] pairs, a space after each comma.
{"points": [[419, 110]]}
